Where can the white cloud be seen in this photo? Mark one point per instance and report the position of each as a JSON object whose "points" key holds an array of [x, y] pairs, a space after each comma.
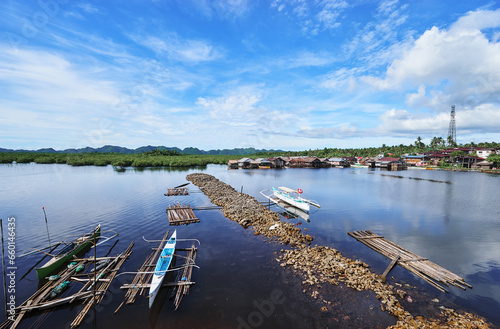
{"points": [[478, 20], [341, 79], [404, 123], [238, 107], [52, 100], [88, 8], [374, 43], [460, 62], [307, 58], [315, 16], [339, 131], [47, 78], [176, 48], [221, 8], [483, 118], [242, 116]]}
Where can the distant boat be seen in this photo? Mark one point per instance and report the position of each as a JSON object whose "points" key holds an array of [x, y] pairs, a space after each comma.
{"points": [[161, 267], [72, 248]]}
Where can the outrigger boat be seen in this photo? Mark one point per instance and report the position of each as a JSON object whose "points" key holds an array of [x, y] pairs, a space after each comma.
{"points": [[161, 267], [71, 248], [291, 201], [287, 207], [291, 196], [294, 198]]}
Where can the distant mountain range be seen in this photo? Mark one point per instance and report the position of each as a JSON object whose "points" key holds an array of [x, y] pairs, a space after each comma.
{"points": [[124, 150]]}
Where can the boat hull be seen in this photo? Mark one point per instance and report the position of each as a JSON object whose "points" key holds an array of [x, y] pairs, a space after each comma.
{"points": [[161, 267], [52, 265]]}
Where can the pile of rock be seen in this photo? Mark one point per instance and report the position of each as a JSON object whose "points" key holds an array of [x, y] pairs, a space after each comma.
{"points": [[318, 265]]}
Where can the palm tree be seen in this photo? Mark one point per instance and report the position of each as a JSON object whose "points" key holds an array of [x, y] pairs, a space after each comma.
{"points": [[451, 142]]}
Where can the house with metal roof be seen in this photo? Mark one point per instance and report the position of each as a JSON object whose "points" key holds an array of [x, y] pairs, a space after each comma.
{"points": [[244, 163]]}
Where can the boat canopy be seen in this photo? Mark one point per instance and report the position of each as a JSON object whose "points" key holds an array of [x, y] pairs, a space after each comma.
{"points": [[286, 189]]}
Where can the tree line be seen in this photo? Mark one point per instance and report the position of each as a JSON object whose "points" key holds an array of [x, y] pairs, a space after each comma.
{"points": [[146, 159], [173, 158]]}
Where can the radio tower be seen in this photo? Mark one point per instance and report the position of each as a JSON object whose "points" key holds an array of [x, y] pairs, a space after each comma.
{"points": [[452, 131]]}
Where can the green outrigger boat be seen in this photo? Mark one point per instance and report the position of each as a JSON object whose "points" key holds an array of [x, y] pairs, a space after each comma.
{"points": [[67, 252]]}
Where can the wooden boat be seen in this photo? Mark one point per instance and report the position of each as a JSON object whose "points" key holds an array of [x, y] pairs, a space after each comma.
{"points": [[292, 197], [161, 267], [72, 248]]}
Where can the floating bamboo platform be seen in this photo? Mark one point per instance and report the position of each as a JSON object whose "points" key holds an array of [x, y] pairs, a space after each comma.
{"points": [[177, 191], [100, 286], [183, 279], [141, 276], [41, 299], [420, 266], [179, 215], [142, 280]]}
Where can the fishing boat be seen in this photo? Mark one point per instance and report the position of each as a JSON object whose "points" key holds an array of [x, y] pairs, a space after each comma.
{"points": [[288, 208], [72, 248], [161, 267], [292, 197]]}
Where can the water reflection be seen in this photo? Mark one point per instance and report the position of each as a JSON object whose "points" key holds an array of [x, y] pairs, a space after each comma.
{"points": [[452, 218]]}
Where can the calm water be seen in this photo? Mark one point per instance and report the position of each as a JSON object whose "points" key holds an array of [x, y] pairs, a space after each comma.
{"points": [[452, 218]]}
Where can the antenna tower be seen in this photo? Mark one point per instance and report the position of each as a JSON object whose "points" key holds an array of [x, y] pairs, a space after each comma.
{"points": [[452, 131]]}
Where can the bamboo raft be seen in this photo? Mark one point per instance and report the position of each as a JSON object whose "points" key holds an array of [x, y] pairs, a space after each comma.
{"points": [[179, 215], [105, 276], [141, 276], [184, 277], [177, 191], [420, 266], [40, 300], [141, 281]]}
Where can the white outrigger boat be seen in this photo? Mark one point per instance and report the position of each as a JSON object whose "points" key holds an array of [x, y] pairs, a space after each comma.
{"points": [[161, 267], [291, 197]]}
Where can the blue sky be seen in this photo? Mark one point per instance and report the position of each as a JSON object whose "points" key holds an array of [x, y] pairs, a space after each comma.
{"points": [[267, 74]]}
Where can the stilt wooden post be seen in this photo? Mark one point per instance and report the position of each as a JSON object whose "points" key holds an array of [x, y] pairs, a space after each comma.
{"points": [[389, 268]]}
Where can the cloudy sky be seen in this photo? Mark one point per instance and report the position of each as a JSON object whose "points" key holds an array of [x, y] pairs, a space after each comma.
{"points": [[288, 74]]}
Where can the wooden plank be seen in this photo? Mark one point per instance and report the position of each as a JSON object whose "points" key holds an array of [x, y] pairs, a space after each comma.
{"points": [[389, 268], [420, 266], [371, 237]]}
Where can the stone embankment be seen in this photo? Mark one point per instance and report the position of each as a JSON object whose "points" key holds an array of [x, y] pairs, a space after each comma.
{"points": [[319, 265]]}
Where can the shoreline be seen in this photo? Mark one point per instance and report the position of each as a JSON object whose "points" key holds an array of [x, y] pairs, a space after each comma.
{"points": [[321, 264]]}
